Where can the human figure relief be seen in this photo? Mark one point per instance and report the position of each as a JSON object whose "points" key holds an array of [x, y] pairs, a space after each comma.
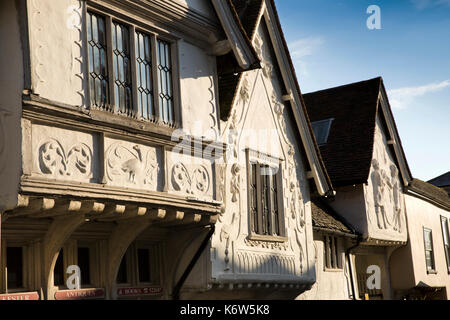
{"points": [[378, 178], [396, 191]]}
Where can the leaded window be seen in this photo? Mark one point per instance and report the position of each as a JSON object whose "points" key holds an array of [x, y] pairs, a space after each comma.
{"points": [[264, 200], [165, 82], [98, 74], [130, 70], [144, 76], [122, 68]]}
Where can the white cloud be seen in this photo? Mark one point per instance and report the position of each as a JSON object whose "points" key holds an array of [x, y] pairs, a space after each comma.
{"points": [[401, 98], [302, 48], [422, 4]]}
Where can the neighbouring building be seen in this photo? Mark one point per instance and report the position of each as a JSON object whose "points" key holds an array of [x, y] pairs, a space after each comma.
{"points": [[402, 222], [263, 247], [442, 181], [127, 141], [421, 269], [333, 239]]}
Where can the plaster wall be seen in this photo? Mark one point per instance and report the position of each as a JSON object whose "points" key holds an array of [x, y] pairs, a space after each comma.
{"points": [[260, 121], [58, 64], [349, 202], [11, 84], [330, 284], [421, 214], [198, 85]]}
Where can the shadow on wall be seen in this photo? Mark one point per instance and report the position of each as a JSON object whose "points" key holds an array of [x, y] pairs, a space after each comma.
{"points": [[262, 282]]}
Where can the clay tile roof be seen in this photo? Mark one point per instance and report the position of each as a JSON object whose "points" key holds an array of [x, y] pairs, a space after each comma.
{"points": [[431, 192], [441, 181], [248, 12], [325, 218], [349, 150]]}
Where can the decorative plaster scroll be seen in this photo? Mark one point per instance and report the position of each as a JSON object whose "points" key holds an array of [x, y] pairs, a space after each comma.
{"points": [[225, 235], [3, 139], [265, 263], [232, 138], [296, 201], [296, 205], [267, 67], [37, 27], [53, 159], [282, 246], [213, 117], [197, 182], [245, 90], [131, 165], [235, 182], [221, 188], [77, 17]]}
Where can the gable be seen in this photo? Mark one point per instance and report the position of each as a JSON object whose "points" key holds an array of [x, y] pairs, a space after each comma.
{"points": [[384, 190], [289, 86], [349, 149]]}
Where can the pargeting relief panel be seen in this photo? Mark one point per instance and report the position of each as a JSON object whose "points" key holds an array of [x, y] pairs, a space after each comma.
{"points": [[384, 192]]}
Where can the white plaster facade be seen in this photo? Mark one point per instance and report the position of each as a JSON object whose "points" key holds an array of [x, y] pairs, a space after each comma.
{"points": [[408, 264], [77, 175]]}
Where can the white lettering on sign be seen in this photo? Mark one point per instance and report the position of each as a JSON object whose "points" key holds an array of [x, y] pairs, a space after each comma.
{"points": [[139, 291], [20, 296]]}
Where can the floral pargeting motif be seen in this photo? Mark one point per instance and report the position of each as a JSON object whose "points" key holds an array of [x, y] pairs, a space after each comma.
{"points": [[53, 159], [196, 182]]}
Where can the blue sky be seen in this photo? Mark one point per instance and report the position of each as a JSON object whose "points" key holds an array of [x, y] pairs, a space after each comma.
{"points": [[331, 45]]}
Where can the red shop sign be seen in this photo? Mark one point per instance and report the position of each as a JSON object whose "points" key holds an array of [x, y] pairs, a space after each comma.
{"points": [[80, 294], [20, 296], [147, 291]]}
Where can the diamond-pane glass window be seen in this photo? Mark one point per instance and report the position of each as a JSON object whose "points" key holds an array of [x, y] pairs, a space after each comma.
{"points": [[98, 74], [144, 76], [166, 111], [122, 68], [131, 70]]}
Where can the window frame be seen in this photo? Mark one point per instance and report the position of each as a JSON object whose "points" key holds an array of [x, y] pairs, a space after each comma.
{"points": [[261, 159], [331, 250], [27, 259], [94, 250], [328, 123], [446, 245], [132, 265], [134, 26], [431, 270]]}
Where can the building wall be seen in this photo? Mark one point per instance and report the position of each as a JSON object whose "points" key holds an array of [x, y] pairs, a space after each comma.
{"points": [[349, 203], [61, 147], [11, 84], [260, 121], [331, 284], [421, 214]]}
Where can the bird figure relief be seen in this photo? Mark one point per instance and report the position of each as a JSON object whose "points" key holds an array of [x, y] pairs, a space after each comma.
{"points": [[131, 164]]}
